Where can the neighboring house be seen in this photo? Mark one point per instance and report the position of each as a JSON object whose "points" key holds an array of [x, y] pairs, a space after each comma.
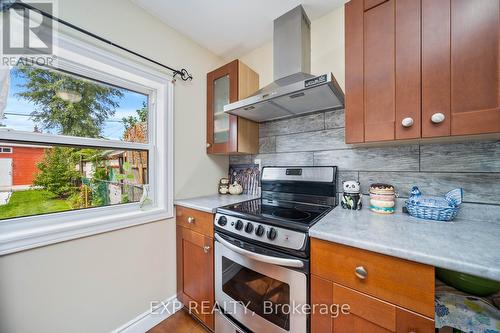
{"points": [[18, 165]]}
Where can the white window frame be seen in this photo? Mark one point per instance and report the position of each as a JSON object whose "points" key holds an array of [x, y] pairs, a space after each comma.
{"points": [[3, 150], [79, 57]]}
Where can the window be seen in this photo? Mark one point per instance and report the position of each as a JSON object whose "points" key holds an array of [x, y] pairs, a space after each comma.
{"points": [[93, 139], [48, 100]]}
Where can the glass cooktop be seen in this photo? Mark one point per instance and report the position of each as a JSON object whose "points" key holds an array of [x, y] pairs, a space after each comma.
{"points": [[285, 211]]}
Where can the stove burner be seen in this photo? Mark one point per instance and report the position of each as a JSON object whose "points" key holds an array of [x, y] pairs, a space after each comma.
{"points": [[291, 214]]}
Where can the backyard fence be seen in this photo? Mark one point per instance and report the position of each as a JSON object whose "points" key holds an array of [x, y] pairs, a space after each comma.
{"points": [[104, 192]]}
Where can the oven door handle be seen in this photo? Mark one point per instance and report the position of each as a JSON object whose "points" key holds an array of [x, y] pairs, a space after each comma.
{"points": [[260, 257]]}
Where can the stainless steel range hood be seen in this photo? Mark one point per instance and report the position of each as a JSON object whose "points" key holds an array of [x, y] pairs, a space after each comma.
{"points": [[294, 91]]}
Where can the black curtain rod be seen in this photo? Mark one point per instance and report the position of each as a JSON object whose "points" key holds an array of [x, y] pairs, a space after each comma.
{"points": [[183, 73]]}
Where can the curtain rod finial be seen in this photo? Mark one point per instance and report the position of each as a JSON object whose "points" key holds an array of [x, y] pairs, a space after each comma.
{"points": [[184, 74]]}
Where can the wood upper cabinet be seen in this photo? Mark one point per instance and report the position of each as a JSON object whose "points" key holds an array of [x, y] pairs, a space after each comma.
{"points": [[421, 68], [460, 66], [382, 70], [354, 86], [228, 134], [195, 264], [379, 78], [383, 294]]}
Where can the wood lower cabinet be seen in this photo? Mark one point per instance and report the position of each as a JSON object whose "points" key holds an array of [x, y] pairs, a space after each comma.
{"points": [[228, 134], [421, 69], [195, 265], [383, 294]]}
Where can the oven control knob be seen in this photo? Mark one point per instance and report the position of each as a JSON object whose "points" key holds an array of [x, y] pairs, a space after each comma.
{"points": [[238, 225], [260, 231], [222, 221], [249, 227], [271, 234]]}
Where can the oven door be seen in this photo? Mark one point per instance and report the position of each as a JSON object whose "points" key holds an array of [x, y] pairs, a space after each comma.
{"points": [[258, 289]]}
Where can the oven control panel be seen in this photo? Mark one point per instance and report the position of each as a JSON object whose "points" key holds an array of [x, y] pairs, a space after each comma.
{"points": [[261, 232]]}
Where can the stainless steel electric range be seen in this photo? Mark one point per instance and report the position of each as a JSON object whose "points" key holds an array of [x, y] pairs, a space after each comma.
{"points": [[262, 251]]}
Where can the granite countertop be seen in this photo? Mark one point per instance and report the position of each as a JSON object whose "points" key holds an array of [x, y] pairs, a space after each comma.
{"points": [[467, 246], [210, 203]]}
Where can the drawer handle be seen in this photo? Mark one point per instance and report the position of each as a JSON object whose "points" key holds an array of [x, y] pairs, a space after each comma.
{"points": [[407, 122], [206, 249], [437, 118], [361, 272], [191, 219]]}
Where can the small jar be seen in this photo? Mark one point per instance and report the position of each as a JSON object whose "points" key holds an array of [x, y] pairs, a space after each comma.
{"points": [[382, 198]]}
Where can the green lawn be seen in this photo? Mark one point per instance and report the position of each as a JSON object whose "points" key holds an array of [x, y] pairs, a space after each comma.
{"points": [[32, 202]]}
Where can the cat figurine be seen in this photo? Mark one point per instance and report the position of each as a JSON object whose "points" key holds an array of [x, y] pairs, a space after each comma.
{"points": [[351, 198]]}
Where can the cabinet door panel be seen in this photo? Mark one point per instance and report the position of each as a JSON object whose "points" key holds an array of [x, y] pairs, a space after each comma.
{"points": [[354, 324], [372, 3], [379, 71], [408, 82], [222, 88], [409, 322], [321, 293], [436, 76], [354, 95], [195, 272], [475, 94], [369, 308]]}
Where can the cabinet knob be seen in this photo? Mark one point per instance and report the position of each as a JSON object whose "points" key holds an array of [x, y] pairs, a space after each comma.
{"points": [[209, 145], [437, 118], [407, 122], [206, 249], [191, 219], [361, 272]]}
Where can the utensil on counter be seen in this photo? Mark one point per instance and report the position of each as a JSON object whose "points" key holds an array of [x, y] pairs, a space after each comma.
{"points": [[246, 175]]}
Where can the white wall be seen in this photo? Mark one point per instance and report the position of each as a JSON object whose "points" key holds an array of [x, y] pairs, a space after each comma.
{"points": [[98, 283], [327, 50]]}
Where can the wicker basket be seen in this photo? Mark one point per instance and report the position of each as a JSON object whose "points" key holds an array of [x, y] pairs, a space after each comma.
{"points": [[432, 213]]}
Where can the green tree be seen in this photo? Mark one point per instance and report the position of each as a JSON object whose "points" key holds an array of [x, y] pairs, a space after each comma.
{"points": [[83, 118], [57, 172], [142, 116]]}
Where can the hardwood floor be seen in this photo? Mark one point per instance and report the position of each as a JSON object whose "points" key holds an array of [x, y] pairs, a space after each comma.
{"points": [[180, 322]]}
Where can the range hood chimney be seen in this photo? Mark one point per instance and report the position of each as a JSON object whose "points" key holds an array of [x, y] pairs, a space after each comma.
{"points": [[294, 90], [292, 44]]}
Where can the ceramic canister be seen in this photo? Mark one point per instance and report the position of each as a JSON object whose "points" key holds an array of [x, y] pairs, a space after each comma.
{"points": [[382, 198]]}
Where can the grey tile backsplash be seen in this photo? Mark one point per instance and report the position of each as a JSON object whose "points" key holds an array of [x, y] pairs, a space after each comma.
{"points": [[318, 139]]}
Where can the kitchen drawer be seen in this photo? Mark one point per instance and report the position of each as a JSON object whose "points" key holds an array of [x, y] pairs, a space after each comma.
{"points": [[400, 282], [195, 220], [367, 308]]}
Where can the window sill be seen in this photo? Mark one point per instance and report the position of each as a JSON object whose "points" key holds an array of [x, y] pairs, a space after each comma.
{"points": [[24, 236]]}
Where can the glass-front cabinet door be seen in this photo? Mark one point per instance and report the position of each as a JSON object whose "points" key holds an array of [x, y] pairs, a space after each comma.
{"points": [[222, 89], [220, 118]]}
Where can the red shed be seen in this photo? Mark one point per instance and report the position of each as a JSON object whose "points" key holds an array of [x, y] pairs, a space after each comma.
{"points": [[18, 165]]}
